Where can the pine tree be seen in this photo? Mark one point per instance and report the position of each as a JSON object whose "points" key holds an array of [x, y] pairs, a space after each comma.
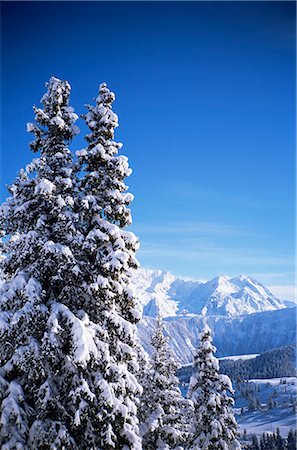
{"points": [[255, 443], [68, 314], [291, 440], [164, 413], [214, 423], [107, 255], [263, 442], [38, 351], [279, 440], [271, 402]]}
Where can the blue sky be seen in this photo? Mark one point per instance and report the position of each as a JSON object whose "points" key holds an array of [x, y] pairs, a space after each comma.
{"points": [[206, 102]]}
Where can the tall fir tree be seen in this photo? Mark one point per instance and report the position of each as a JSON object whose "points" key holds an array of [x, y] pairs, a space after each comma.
{"points": [[68, 314], [38, 352], [214, 423], [106, 258], [164, 413]]}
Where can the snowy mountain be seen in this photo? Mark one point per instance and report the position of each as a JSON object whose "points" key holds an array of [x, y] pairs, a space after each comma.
{"points": [[162, 293], [241, 335]]}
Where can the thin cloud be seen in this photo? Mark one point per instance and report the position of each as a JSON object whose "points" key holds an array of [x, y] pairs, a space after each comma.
{"points": [[195, 193], [270, 276], [186, 228], [285, 292], [221, 255]]}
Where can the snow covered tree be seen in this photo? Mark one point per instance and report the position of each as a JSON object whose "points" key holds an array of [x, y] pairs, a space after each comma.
{"points": [[164, 413], [214, 423], [291, 440], [255, 443], [106, 256], [38, 353], [67, 311]]}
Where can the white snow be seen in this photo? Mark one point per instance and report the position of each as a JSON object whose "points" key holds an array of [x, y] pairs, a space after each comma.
{"points": [[57, 121], [281, 416], [81, 153], [243, 335], [54, 247], [242, 357], [44, 187], [30, 127], [82, 334], [75, 129], [161, 292]]}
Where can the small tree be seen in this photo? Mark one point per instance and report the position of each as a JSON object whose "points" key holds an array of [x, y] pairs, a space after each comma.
{"points": [[164, 413], [279, 441], [255, 443], [214, 427], [271, 402], [291, 440]]}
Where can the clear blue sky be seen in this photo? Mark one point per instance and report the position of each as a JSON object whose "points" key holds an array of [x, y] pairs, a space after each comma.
{"points": [[206, 101]]}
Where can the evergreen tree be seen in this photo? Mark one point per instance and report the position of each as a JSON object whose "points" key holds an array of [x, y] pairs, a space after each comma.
{"points": [[68, 314], [39, 349], [291, 440], [215, 427], [255, 444], [279, 440], [263, 442], [271, 402], [164, 413], [107, 255]]}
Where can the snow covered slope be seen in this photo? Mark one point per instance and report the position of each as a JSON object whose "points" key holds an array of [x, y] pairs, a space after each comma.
{"points": [[241, 335], [161, 292], [281, 415]]}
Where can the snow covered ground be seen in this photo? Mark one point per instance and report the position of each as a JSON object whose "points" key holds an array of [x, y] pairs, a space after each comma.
{"points": [[280, 393], [232, 358], [282, 415], [259, 422], [242, 357]]}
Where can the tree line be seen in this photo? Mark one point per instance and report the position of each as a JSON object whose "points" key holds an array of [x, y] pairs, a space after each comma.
{"points": [[277, 363], [272, 441]]}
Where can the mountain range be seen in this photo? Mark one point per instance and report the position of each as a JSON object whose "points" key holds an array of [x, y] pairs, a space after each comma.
{"points": [[162, 293], [244, 315]]}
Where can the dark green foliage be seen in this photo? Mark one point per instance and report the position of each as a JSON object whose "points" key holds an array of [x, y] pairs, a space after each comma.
{"points": [[277, 363], [273, 441]]}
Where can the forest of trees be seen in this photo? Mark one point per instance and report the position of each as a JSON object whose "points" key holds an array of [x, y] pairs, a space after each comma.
{"points": [[272, 441], [72, 372], [277, 363]]}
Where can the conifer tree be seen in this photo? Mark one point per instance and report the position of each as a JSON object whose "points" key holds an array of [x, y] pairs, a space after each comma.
{"points": [[38, 352], [107, 255], [279, 440], [164, 413], [68, 344], [291, 440], [214, 423], [255, 443]]}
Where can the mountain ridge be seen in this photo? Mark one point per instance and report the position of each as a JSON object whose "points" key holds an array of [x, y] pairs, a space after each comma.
{"points": [[240, 335], [162, 293]]}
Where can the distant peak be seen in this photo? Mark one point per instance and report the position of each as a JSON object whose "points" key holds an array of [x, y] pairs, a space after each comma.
{"points": [[219, 280], [223, 278], [241, 277]]}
